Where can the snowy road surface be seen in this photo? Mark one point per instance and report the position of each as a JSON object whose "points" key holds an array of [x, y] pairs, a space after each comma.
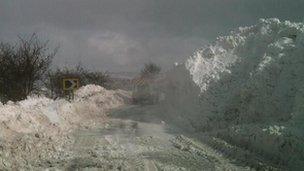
{"points": [[134, 145], [131, 139], [129, 145]]}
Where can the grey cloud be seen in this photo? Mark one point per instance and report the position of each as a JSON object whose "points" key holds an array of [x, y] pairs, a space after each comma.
{"points": [[123, 34]]}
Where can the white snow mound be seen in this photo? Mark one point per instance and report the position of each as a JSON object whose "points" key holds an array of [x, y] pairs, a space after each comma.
{"points": [[257, 72], [41, 114], [253, 81], [89, 90]]}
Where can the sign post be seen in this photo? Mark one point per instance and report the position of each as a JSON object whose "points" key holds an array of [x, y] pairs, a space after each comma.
{"points": [[69, 85]]}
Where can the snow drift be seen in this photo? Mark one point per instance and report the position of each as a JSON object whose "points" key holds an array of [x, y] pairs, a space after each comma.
{"points": [[256, 71], [41, 114], [252, 83]]}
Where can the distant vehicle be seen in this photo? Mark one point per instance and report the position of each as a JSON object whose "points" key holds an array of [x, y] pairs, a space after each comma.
{"points": [[145, 91]]}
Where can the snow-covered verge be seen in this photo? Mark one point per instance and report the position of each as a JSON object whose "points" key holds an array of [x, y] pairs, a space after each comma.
{"points": [[252, 88], [47, 116]]}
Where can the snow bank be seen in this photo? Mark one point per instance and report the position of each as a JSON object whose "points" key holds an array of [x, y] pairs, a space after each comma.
{"points": [[41, 114], [89, 90], [255, 77], [256, 71]]}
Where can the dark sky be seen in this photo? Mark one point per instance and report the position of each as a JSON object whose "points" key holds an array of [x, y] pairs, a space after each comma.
{"points": [[122, 35]]}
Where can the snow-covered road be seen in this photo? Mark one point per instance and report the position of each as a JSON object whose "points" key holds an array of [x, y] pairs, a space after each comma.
{"points": [[131, 139], [134, 145], [123, 137]]}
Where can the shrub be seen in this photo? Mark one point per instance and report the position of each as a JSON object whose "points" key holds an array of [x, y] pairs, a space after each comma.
{"points": [[23, 66], [150, 70]]}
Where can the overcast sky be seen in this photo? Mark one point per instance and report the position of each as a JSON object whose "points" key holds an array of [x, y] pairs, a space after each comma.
{"points": [[122, 35]]}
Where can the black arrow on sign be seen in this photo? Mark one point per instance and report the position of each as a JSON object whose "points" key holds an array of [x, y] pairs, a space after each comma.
{"points": [[70, 84]]}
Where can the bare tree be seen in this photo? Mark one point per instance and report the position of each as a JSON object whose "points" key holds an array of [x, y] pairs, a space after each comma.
{"points": [[150, 70], [23, 65]]}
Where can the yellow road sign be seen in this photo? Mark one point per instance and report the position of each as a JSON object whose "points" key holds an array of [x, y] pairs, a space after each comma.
{"points": [[70, 84]]}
